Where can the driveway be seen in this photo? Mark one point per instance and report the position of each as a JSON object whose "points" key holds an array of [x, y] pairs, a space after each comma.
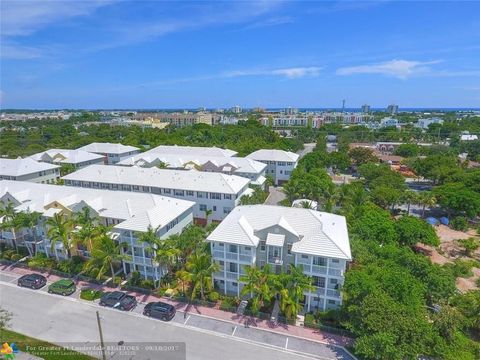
{"points": [[276, 195]]}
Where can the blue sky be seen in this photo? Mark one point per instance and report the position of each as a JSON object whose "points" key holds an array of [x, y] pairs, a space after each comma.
{"points": [[179, 54]]}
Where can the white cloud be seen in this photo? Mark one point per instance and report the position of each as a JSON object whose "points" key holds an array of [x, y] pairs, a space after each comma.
{"points": [[290, 73], [20, 17], [19, 52], [401, 69]]}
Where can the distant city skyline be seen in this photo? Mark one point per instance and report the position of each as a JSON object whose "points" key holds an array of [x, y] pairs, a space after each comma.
{"points": [[107, 54]]}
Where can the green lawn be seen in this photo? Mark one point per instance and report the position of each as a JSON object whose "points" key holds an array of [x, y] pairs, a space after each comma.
{"points": [[90, 294], [23, 342]]}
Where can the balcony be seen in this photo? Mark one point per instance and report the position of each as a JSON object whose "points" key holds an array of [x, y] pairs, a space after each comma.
{"points": [[246, 258], [218, 274], [317, 269], [218, 254], [275, 260], [333, 293], [334, 272], [231, 256], [232, 275]]}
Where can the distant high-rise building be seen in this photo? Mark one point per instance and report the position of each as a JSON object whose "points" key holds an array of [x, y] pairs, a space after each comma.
{"points": [[291, 111], [365, 109], [392, 109], [236, 109]]}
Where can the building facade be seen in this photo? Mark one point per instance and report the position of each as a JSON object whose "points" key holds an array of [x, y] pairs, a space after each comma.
{"points": [[280, 163], [112, 153], [258, 235], [29, 170], [215, 194], [129, 213]]}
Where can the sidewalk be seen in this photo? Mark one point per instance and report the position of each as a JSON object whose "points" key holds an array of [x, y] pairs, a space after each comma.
{"points": [[214, 313]]}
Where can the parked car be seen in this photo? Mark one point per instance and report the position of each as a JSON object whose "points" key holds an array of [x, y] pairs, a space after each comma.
{"points": [[160, 310], [118, 300], [34, 281], [62, 287]]}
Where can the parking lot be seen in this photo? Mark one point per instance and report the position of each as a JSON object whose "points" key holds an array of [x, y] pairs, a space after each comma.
{"points": [[191, 321]]}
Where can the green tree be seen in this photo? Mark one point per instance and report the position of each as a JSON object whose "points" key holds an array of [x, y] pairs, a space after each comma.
{"points": [[30, 220], [426, 199], [373, 223], [412, 230], [458, 198], [360, 156], [470, 245], [10, 221], [59, 230], [200, 269], [259, 284], [106, 253]]}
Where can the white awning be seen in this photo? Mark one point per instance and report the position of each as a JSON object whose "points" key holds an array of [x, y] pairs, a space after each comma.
{"points": [[275, 239]]}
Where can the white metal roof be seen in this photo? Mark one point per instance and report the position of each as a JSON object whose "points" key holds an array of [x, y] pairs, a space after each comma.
{"points": [[138, 210], [66, 156], [273, 155], [150, 158], [319, 233], [193, 150], [275, 239], [162, 178], [108, 148], [19, 167]]}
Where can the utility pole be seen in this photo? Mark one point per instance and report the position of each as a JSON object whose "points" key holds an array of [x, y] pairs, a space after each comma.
{"points": [[104, 357]]}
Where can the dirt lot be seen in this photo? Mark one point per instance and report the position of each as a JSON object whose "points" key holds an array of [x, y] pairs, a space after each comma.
{"points": [[449, 250]]}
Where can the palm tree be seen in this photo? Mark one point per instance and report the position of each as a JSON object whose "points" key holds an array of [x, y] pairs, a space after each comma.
{"points": [[200, 269], [259, 283], [425, 199], [409, 197], [89, 229], [291, 288], [10, 221], [59, 230], [208, 212], [30, 221], [105, 254]]}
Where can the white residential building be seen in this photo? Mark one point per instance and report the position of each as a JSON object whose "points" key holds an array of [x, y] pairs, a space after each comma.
{"points": [[190, 151], [112, 153], [215, 192], [387, 122], [257, 235], [425, 123], [28, 170], [280, 163], [466, 136], [129, 213], [77, 158], [248, 168]]}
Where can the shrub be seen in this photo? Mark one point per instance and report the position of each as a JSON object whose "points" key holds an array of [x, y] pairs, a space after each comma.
{"points": [[213, 296], [16, 257], [229, 303], [462, 268], [7, 254], [309, 319], [147, 284], [90, 294], [41, 260], [459, 223], [71, 266]]}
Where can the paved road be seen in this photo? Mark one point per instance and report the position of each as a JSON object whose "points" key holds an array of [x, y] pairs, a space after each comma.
{"points": [[67, 320], [276, 195], [306, 149]]}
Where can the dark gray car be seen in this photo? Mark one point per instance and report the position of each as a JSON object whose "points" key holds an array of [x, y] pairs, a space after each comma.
{"points": [[118, 300], [33, 281]]}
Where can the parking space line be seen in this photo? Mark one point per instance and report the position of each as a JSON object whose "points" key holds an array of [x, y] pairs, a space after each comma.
{"points": [[234, 329], [286, 343], [188, 317]]}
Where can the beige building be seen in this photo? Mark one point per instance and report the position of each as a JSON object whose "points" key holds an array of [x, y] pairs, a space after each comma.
{"points": [[177, 119]]}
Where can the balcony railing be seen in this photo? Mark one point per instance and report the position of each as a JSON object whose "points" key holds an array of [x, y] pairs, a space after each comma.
{"points": [[334, 272], [218, 254], [317, 269], [231, 275], [275, 260], [245, 258], [231, 256], [333, 293]]}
